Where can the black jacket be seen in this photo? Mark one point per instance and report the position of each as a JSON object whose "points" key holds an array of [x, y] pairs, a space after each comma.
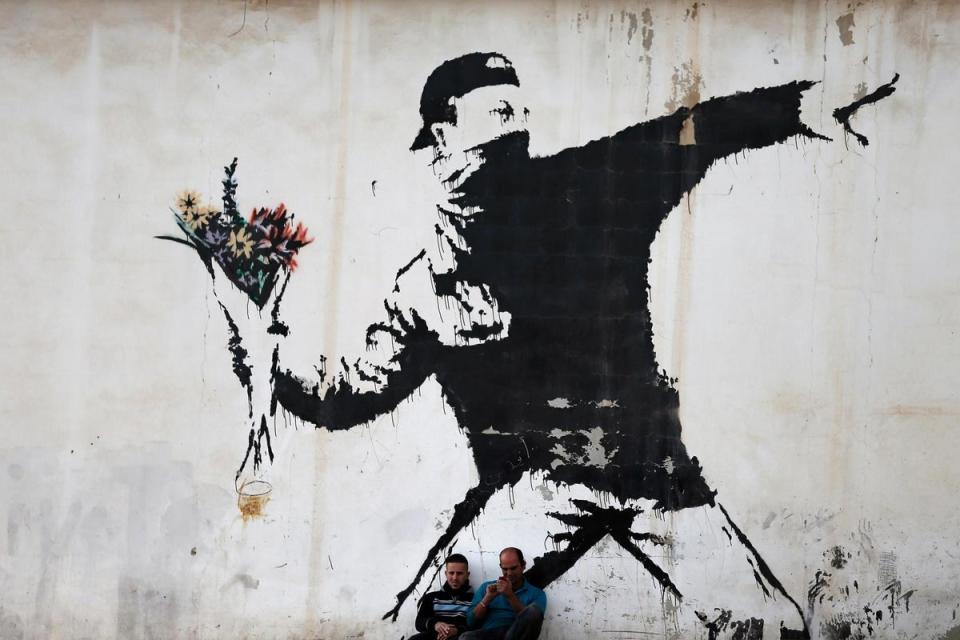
{"points": [[447, 605]]}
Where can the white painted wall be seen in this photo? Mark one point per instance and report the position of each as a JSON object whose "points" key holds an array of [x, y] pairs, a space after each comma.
{"points": [[806, 297]]}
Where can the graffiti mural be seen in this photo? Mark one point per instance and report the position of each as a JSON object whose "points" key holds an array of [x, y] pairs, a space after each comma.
{"points": [[531, 311], [304, 295]]}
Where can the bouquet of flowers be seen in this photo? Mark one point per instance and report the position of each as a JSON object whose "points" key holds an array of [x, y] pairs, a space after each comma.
{"points": [[251, 251]]}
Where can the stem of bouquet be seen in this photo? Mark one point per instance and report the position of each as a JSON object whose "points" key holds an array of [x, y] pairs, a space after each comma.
{"points": [[254, 255], [254, 344]]}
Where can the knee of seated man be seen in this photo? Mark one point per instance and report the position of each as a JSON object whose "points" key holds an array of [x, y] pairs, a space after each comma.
{"points": [[531, 612]]}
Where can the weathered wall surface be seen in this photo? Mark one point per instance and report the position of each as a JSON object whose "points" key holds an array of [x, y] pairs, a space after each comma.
{"points": [[804, 296]]}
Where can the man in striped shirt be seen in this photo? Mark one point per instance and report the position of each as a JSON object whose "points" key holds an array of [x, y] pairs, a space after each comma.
{"points": [[443, 614]]}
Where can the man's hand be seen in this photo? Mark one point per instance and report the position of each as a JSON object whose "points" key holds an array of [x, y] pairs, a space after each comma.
{"points": [[251, 341], [504, 587], [445, 630], [493, 590], [816, 112], [843, 114]]}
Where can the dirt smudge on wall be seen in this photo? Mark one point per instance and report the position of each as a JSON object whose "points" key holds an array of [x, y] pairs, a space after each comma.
{"points": [[845, 26], [646, 32], [646, 41], [860, 91], [686, 84], [632, 17], [244, 579]]}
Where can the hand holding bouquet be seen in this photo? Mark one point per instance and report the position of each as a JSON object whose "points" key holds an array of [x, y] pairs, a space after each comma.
{"points": [[252, 254]]}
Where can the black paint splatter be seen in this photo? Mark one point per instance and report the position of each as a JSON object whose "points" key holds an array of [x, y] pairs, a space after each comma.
{"points": [[838, 557], [241, 368]]}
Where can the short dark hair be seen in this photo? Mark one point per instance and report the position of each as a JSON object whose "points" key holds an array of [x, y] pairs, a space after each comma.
{"points": [[456, 557], [516, 551]]}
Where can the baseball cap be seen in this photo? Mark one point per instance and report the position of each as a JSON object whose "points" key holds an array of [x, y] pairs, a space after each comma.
{"points": [[454, 79]]}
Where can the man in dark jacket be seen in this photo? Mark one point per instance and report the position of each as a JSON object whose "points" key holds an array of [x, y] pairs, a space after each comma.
{"points": [[443, 614]]}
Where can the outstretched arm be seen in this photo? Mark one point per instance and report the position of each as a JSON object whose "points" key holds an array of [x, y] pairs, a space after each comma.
{"points": [[721, 127], [653, 164], [423, 316], [398, 357], [648, 167]]}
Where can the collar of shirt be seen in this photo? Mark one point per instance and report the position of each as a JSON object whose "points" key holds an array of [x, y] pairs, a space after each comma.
{"points": [[462, 591]]}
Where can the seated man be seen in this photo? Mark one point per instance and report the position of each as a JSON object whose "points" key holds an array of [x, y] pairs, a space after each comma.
{"points": [[443, 614], [509, 608]]}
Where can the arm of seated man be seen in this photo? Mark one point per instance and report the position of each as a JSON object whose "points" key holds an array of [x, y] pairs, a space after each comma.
{"points": [[427, 620], [504, 587], [445, 630], [425, 617], [481, 603]]}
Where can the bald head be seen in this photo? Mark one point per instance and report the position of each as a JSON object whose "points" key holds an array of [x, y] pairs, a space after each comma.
{"points": [[512, 565]]}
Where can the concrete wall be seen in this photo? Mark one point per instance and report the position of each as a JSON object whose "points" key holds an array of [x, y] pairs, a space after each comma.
{"points": [[804, 296]]}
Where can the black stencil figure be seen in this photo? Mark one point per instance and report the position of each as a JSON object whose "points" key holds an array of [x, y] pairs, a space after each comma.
{"points": [[537, 325]]}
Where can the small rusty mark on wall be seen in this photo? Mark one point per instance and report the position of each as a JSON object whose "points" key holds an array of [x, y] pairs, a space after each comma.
{"points": [[919, 410], [252, 498], [688, 134]]}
